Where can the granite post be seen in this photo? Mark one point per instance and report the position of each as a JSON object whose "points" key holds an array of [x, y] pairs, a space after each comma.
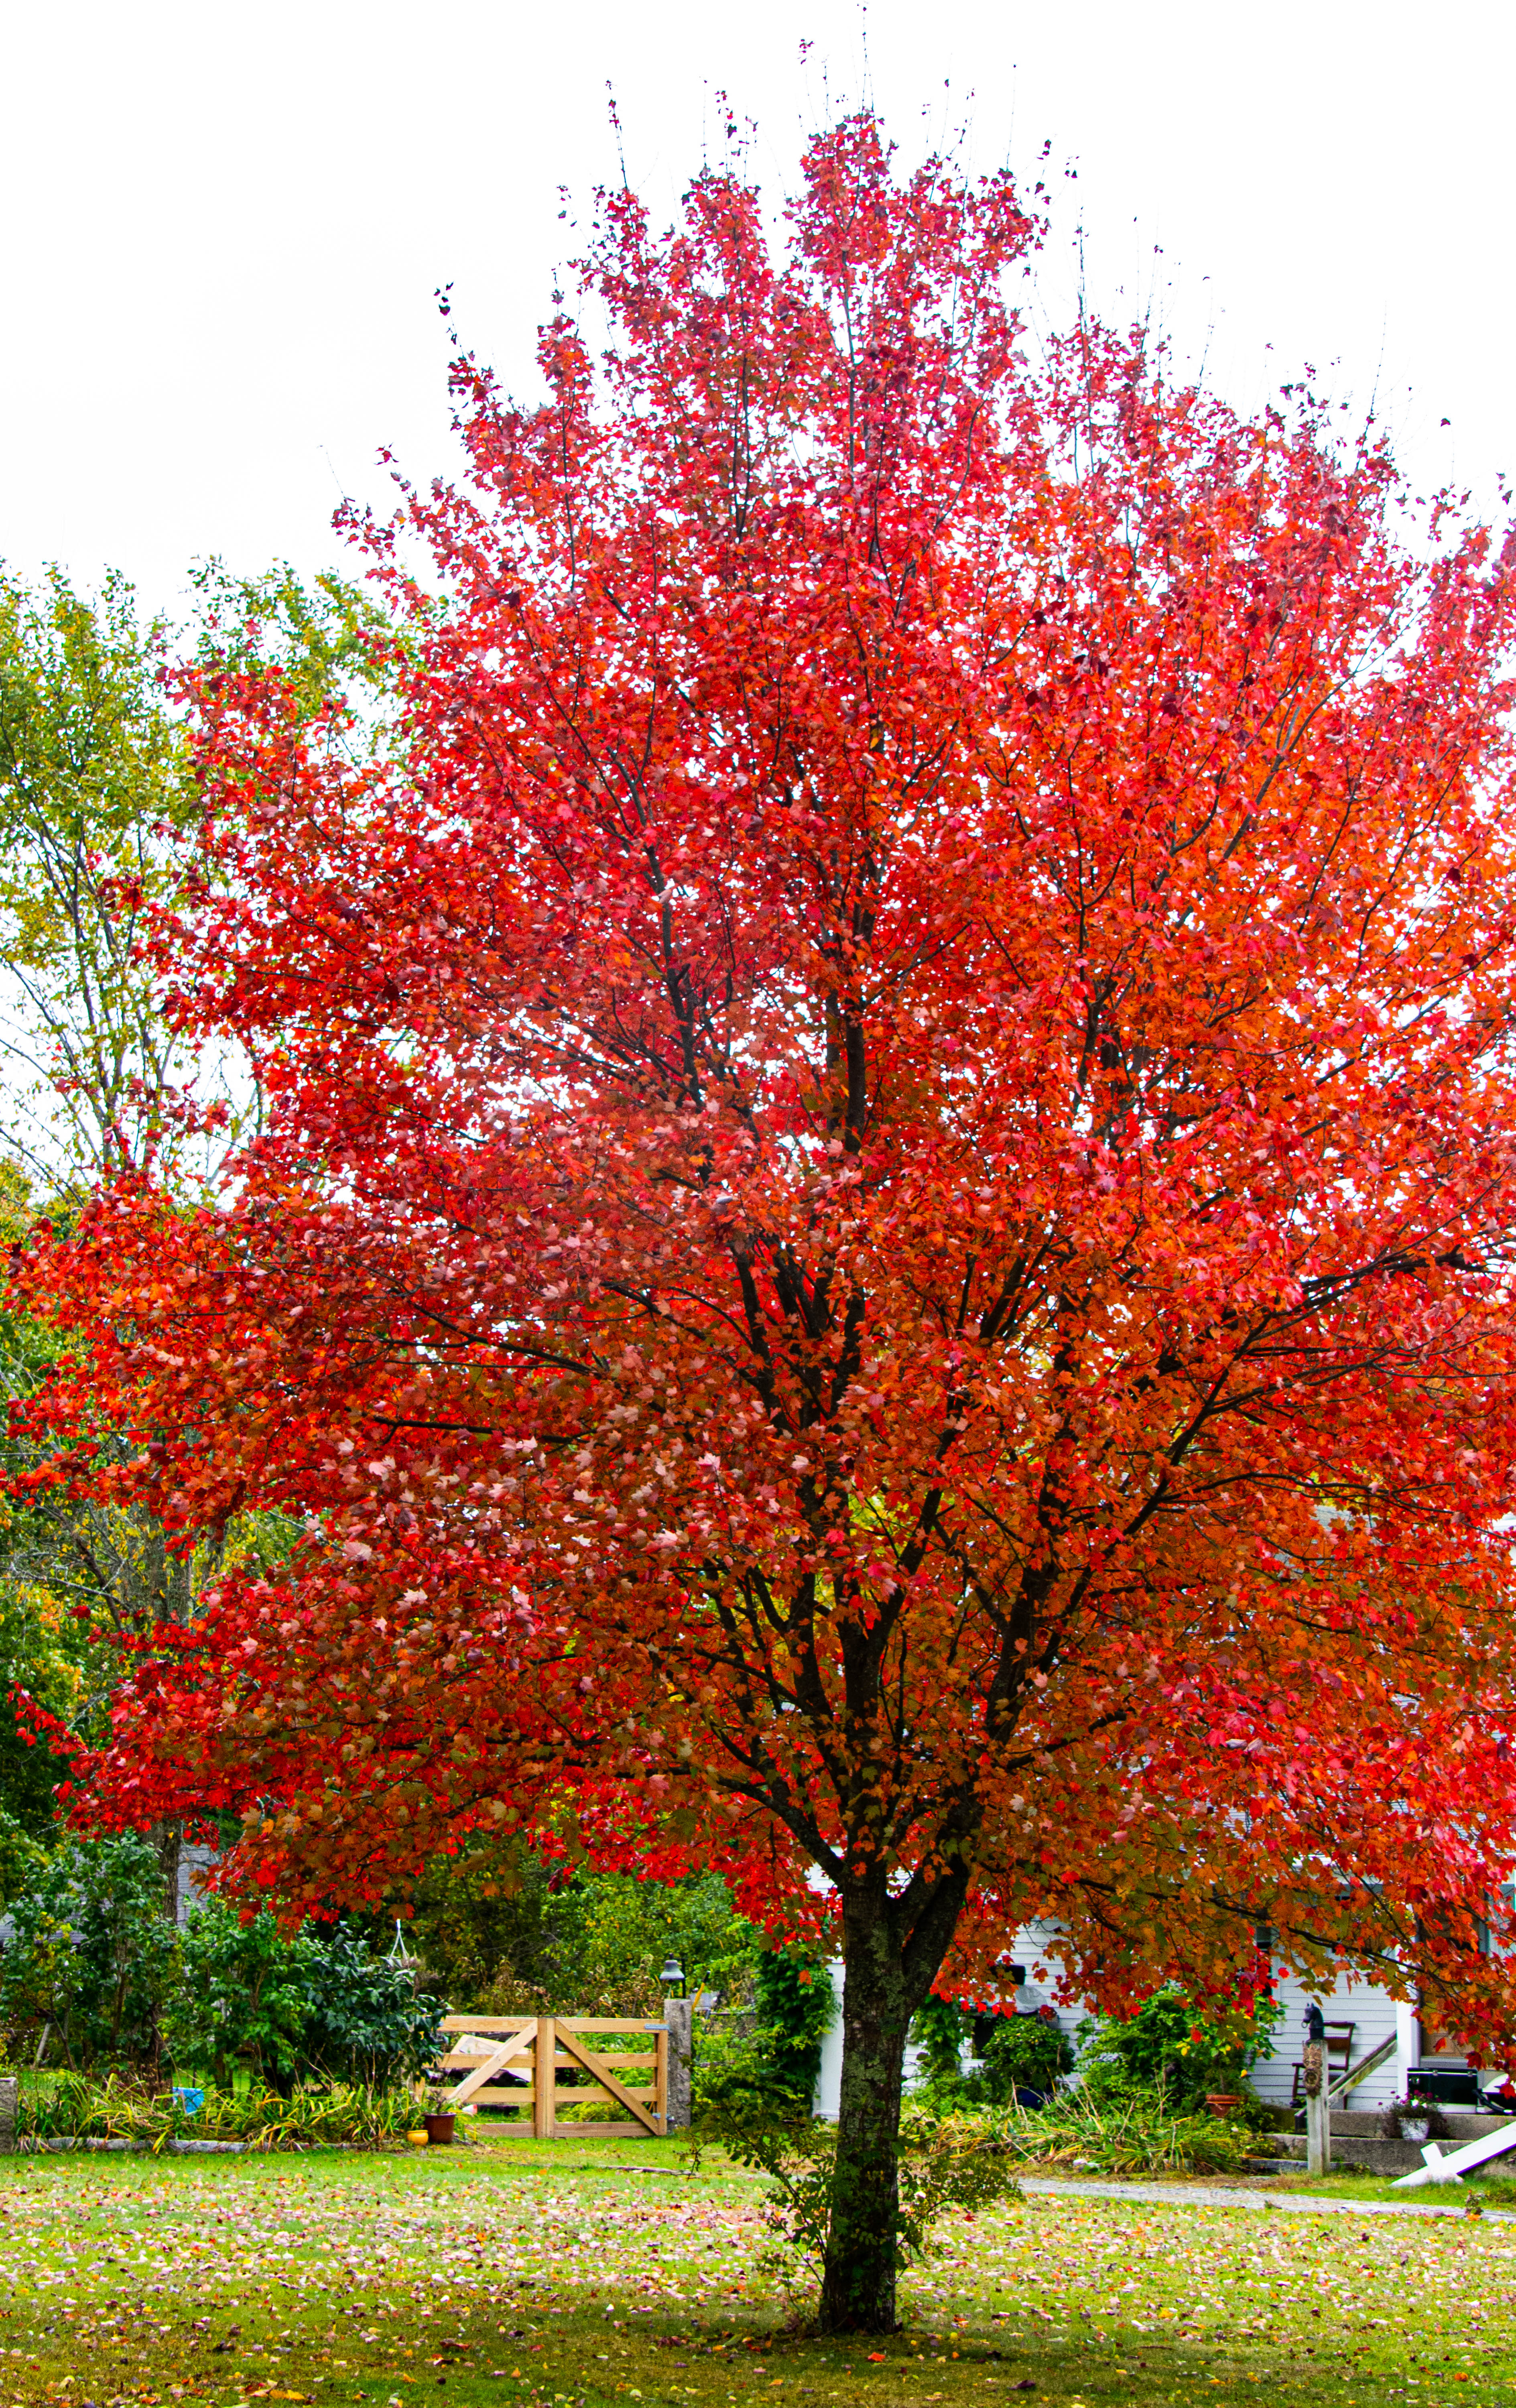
{"points": [[1317, 2113]]}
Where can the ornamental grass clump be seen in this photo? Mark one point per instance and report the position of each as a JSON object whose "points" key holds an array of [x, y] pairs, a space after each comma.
{"points": [[72, 2107], [347, 2113], [69, 2106], [1140, 2132]]}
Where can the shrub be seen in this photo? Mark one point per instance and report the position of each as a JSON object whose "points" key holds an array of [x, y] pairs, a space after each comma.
{"points": [[1019, 2053], [769, 2068], [1025, 2052], [946, 2162], [509, 1995], [796, 2005], [364, 2024], [92, 1951], [941, 2028], [1176, 2049], [244, 1997], [288, 2006]]}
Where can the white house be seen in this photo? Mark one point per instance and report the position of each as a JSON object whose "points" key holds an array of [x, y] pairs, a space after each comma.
{"points": [[1373, 2015]]}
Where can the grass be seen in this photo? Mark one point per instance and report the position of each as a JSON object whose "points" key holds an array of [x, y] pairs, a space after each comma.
{"points": [[1477, 2191], [600, 2273]]}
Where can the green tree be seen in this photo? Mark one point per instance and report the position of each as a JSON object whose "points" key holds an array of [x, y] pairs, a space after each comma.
{"points": [[95, 786], [609, 1935], [96, 796], [331, 649], [477, 1916]]}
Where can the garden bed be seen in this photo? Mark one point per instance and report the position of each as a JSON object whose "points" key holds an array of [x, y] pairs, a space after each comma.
{"points": [[61, 2110]]}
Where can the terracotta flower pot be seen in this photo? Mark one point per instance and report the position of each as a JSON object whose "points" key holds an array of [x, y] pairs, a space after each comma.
{"points": [[438, 2129], [1224, 2102]]}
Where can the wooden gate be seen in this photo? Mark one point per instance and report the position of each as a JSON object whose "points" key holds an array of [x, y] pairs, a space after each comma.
{"points": [[484, 2051]]}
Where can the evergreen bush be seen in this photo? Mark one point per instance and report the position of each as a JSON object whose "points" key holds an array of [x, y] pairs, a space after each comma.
{"points": [[1018, 2053], [287, 2007]]}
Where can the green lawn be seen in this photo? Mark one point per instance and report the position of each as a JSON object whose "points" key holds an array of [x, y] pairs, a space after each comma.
{"points": [[601, 2272], [1495, 2190]]}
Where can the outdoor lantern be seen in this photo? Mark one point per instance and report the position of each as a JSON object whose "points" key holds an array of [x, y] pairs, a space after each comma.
{"points": [[672, 1976]]}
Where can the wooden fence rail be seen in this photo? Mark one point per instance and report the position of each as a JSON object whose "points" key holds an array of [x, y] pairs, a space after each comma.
{"points": [[516, 2061]]}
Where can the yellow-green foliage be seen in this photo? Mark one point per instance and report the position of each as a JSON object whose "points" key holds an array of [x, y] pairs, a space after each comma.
{"points": [[69, 2106]]}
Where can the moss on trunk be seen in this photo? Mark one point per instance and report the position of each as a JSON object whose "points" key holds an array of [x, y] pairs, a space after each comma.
{"points": [[889, 1959]]}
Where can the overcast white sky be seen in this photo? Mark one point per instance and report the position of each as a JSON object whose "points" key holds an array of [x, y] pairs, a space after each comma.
{"points": [[224, 226]]}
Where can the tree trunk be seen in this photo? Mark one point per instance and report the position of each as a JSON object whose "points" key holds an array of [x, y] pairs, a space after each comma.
{"points": [[167, 1839], [858, 2283]]}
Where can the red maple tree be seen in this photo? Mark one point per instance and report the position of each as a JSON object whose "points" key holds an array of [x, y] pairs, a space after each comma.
{"points": [[881, 1243]]}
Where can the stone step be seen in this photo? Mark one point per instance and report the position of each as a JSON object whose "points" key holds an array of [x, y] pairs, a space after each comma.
{"points": [[1355, 2123], [1377, 2156]]}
